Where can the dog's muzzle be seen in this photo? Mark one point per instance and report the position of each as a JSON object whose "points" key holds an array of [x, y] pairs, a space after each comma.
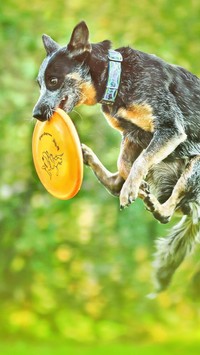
{"points": [[37, 113]]}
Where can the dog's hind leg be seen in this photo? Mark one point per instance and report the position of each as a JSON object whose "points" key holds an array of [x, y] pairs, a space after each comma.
{"points": [[181, 240], [186, 190], [112, 182]]}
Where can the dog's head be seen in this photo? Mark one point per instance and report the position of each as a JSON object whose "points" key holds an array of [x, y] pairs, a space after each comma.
{"points": [[64, 76]]}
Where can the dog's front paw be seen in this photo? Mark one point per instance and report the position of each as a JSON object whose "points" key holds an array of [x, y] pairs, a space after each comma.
{"points": [[128, 194], [87, 154]]}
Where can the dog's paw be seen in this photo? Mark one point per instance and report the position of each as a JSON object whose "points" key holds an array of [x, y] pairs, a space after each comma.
{"points": [[128, 194], [145, 187], [150, 202], [160, 212], [87, 154], [161, 218]]}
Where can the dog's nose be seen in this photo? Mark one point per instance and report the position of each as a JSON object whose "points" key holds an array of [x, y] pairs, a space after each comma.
{"points": [[37, 113]]}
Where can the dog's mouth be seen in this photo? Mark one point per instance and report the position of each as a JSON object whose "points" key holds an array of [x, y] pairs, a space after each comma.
{"points": [[63, 102]]}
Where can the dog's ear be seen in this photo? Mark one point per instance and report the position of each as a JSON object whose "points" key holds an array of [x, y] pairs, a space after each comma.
{"points": [[49, 44], [79, 42]]}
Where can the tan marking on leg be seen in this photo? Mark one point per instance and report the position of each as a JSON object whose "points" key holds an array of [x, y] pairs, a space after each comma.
{"points": [[124, 168], [139, 114], [128, 154], [113, 122]]}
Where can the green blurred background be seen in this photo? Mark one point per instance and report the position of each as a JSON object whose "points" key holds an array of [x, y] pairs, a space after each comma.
{"points": [[74, 274]]}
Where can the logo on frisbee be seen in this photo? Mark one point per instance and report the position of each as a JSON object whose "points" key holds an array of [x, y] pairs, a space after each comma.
{"points": [[51, 163]]}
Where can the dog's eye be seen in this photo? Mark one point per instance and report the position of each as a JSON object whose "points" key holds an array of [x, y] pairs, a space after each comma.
{"points": [[53, 81]]}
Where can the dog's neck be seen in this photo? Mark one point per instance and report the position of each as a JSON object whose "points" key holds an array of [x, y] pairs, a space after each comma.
{"points": [[98, 64]]}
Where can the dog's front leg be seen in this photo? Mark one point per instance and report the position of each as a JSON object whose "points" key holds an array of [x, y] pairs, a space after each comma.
{"points": [[112, 182], [162, 144]]}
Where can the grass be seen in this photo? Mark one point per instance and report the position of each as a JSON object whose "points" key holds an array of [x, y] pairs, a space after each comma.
{"points": [[61, 348]]}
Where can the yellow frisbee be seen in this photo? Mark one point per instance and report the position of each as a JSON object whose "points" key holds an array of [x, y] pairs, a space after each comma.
{"points": [[57, 155]]}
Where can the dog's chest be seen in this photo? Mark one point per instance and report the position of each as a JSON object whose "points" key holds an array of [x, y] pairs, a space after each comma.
{"points": [[140, 115]]}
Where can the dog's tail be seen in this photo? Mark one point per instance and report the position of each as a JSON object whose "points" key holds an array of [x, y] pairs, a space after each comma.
{"points": [[172, 250]]}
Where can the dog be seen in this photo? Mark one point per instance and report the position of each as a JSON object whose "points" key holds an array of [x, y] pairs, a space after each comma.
{"points": [[156, 107]]}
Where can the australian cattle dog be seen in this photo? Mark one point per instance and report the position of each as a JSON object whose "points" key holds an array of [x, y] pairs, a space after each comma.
{"points": [[156, 107]]}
